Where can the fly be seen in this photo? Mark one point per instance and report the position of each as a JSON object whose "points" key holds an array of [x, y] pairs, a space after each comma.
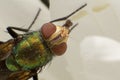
{"points": [[24, 56]]}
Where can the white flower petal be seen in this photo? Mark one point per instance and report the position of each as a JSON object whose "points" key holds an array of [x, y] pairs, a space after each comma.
{"points": [[101, 58]]}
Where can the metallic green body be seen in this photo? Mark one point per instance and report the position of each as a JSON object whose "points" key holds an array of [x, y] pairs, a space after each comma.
{"points": [[30, 53]]}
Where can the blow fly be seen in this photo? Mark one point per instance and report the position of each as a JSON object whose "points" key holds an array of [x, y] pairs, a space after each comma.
{"points": [[25, 55]]}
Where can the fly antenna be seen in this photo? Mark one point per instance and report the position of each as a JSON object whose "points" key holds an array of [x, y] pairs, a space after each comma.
{"points": [[66, 17], [72, 28]]}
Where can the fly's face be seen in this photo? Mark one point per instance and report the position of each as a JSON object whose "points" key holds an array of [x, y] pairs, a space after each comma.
{"points": [[56, 36]]}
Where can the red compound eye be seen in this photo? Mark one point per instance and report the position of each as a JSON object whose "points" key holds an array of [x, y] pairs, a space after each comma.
{"points": [[48, 29], [59, 49]]}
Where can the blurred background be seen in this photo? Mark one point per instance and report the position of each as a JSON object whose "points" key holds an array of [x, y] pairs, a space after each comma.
{"points": [[93, 47]]}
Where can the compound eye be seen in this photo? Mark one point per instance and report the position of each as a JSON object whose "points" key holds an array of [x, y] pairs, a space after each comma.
{"points": [[47, 30], [59, 49]]}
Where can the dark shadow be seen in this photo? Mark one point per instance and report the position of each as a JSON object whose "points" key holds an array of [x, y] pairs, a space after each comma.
{"points": [[46, 3]]}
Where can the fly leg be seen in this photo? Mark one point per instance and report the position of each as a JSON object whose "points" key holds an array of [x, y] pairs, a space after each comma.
{"points": [[66, 17], [1, 42], [15, 34], [35, 77]]}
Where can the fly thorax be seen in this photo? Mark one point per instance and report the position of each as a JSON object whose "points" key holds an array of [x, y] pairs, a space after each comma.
{"points": [[55, 37]]}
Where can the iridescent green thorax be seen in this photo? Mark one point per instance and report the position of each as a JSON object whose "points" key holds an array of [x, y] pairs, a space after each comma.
{"points": [[29, 53]]}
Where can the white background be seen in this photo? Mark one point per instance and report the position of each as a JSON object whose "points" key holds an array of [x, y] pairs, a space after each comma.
{"points": [[93, 47]]}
